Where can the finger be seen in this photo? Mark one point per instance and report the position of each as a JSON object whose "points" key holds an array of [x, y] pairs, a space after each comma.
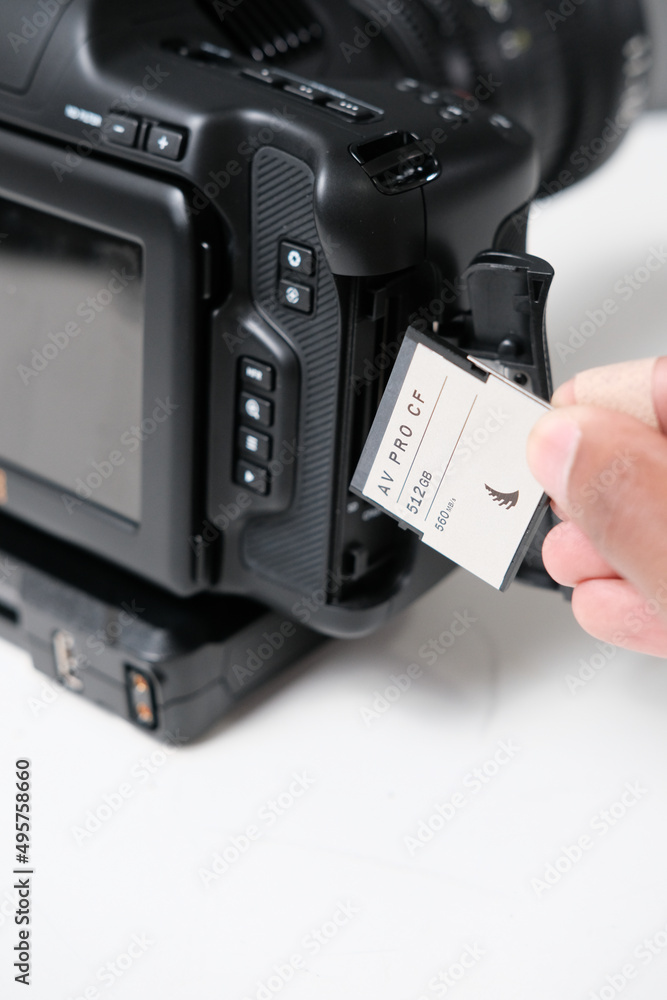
{"points": [[638, 388], [614, 611], [609, 473], [560, 514], [564, 395], [660, 392], [570, 558]]}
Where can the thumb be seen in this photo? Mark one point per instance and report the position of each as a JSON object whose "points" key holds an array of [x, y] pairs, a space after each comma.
{"points": [[608, 472]]}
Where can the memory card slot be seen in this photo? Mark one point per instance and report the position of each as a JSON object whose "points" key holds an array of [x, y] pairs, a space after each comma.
{"points": [[373, 358], [368, 549]]}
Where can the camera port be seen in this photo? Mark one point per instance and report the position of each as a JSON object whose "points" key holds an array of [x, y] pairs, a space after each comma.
{"points": [[68, 663], [141, 698], [9, 614]]}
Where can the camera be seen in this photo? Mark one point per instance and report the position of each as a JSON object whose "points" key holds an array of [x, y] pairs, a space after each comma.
{"points": [[217, 221]]}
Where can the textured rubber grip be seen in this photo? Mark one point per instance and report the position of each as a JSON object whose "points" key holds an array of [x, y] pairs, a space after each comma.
{"points": [[292, 549]]}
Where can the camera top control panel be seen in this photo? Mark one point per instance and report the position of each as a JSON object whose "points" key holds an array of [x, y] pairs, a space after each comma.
{"points": [[316, 94], [169, 141]]}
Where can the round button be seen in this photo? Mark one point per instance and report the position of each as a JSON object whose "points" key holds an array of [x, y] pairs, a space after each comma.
{"points": [[509, 348], [252, 408], [500, 121], [294, 258], [293, 295], [453, 113], [431, 97]]}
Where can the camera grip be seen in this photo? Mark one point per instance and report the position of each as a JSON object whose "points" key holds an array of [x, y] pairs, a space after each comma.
{"points": [[292, 549]]}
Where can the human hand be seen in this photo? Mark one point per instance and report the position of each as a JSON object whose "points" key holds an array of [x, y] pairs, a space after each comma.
{"points": [[606, 472]]}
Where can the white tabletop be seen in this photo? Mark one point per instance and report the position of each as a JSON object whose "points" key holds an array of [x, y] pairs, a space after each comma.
{"points": [[497, 831]]}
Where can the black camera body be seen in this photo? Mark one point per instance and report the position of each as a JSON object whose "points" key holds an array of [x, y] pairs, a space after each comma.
{"points": [[207, 263]]}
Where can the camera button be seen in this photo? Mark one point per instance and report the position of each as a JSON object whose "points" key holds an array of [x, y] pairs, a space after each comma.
{"points": [[305, 91], [253, 477], [454, 113], [356, 112], [165, 142], [258, 374], [431, 97], [254, 445], [264, 76], [298, 297], [120, 130], [297, 258], [500, 121], [260, 411]]}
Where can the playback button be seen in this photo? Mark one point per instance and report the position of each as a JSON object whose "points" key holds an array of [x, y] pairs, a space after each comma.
{"points": [[252, 476]]}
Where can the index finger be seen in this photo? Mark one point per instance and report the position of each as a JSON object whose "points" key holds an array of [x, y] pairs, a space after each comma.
{"points": [[638, 388]]}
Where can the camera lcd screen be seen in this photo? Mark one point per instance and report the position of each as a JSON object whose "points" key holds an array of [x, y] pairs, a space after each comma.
{"points": [[72, 341]]}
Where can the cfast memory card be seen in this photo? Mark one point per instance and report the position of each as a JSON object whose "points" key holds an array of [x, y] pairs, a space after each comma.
{"points": [[446, 457]]}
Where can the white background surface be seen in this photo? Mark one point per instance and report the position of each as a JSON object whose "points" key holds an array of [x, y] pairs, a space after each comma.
{"points": [[375, 779]]}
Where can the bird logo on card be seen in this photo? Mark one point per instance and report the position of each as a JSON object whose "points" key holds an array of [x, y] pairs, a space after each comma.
{"points": [[506, 500]]}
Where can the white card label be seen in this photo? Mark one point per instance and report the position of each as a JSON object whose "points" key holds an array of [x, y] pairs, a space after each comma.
{"points": [[446, 456]]}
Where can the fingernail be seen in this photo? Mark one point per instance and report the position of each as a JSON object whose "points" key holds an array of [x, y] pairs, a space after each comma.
{"points": [[552, 448]]}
